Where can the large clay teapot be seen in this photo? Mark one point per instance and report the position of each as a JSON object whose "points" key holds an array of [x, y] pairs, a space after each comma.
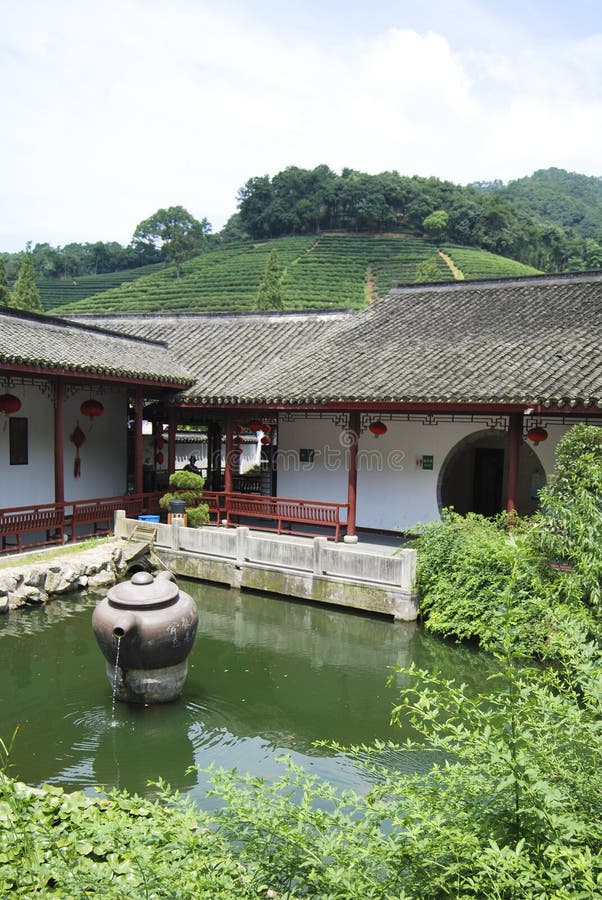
{"points": [[145, 628]]}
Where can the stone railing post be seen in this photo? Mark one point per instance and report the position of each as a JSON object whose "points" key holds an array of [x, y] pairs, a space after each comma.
{"points": [[319, 547], [177, 522], [119, 526], [242, 536]]}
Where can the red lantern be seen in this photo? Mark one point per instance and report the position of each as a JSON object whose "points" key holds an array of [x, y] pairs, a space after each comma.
{"points": [[254, 425], [377, 428], [77, 438], [265, 441], [91, 409], [160, 443], [159, 458], [266, 428], [9, 404], [537, 434]]}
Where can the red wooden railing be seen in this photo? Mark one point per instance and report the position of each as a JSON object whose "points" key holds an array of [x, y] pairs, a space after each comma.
{"points": [[48, 523]]}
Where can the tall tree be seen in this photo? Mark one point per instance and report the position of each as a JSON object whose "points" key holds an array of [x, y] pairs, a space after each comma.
{"points": [[436, 224], [4, 288], [270, 289], [25, 293], [174, 230]]}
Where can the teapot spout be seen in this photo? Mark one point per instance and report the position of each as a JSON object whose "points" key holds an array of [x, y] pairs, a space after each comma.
{"points": [[124, 625]]}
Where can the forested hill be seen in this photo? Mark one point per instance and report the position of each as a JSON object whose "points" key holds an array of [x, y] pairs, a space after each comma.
{"points": [[558, 197], [507, 220]]}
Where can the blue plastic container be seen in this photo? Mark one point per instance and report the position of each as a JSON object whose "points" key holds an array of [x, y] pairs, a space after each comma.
{"points": [[149, 518]]}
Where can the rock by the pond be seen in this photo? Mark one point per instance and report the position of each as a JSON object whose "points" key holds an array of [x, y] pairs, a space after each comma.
{"points": [[99, 567]]}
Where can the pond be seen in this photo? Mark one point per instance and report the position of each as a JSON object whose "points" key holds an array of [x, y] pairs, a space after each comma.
{"points": [[267, 676]]}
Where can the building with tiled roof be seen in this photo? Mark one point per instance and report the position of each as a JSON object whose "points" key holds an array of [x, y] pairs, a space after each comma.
{"points": [[452, 394]]}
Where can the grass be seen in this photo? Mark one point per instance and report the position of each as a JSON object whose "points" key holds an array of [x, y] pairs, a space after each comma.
{"points": [[318, 272], [59, 291], [32, 557]]}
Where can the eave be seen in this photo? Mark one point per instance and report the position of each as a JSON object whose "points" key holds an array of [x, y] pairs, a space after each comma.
{"points": [[468, 408], [75, 376]]}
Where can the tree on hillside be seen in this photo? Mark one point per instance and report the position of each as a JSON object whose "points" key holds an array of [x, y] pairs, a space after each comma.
{"points": [[427, 271], [25, 293], [436, 224], [270, 289], [174, 230], [4, 288]]}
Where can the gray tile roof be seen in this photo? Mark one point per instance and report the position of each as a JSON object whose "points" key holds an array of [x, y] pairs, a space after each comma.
{"points": [[47, 342], [224, 351], [508, 341]]}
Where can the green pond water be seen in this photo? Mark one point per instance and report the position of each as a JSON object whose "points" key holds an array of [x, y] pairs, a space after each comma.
{"points": [[267, 676]]}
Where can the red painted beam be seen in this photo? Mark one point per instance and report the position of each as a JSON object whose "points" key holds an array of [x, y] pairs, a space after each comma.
{"points": [[59, 441], [228, 470], [138, 443], [515, 429], [353, 436]]}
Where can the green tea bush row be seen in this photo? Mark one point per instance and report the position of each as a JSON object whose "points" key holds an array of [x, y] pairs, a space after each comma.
{"points": [[330, 271], [475, 263]]}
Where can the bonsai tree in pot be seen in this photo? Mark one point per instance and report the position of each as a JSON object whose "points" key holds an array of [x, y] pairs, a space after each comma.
{"points": [[184, 496]]}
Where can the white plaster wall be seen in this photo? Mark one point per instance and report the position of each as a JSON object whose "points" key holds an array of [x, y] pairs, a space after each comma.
{"points": [[393, 491], [104, 453], [32, 483], [323, 479]]}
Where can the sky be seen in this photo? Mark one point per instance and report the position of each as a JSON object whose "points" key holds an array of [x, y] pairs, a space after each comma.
{"points": [[113, 110]]}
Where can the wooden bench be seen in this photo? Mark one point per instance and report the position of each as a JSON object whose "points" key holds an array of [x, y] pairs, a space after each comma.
{"points": [[214, 500], [45, 524], [100, 512], [285, 512]]}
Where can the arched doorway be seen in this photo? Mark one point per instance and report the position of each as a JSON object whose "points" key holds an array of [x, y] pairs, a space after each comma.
{"points": [[474, 475]]}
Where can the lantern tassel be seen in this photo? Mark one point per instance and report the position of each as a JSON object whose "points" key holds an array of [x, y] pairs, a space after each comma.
{"points": [[77, 466]]}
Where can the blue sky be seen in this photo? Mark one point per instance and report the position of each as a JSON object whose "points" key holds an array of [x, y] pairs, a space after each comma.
{"points": [[113, 110]]}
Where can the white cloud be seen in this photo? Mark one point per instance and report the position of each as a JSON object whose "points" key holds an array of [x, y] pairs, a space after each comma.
{"points": [[114, 110]]}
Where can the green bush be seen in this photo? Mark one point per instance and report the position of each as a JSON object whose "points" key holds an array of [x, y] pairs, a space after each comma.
{"points": [[569, 527], [197, 515], [466, 565], [185, 486]]}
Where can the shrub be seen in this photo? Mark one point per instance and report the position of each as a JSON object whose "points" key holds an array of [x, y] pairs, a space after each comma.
{"points": [[197, 515], [569, 526], [466, 565], [186, 486]]}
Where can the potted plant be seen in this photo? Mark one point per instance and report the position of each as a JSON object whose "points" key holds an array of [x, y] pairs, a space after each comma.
{"points": [[184, 496]]}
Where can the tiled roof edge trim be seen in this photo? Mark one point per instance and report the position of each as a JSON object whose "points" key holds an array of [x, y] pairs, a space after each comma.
{"points": [[64, 322], [544, 277]]}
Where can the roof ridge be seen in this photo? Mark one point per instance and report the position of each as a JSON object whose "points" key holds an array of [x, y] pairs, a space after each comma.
{"points": [[590, 275]]}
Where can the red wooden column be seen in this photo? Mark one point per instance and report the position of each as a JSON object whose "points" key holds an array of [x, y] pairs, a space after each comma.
{"points": [[171, 439], [59, 441], [353, 437], [229, 467], [515, 433], [138, 446]]}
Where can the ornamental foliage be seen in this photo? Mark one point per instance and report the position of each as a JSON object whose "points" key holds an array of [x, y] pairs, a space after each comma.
{"points": [[4, 287], [270, 290], [25, 294]]}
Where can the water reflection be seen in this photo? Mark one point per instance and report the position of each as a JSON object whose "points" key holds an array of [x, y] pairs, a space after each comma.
{"points": [[266, 676]]}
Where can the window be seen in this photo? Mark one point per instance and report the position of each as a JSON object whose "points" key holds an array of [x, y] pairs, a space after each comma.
{"points": [[18, 443]]}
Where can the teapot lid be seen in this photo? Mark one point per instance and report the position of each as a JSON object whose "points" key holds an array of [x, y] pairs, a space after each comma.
{"points": [[143, 591]]}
